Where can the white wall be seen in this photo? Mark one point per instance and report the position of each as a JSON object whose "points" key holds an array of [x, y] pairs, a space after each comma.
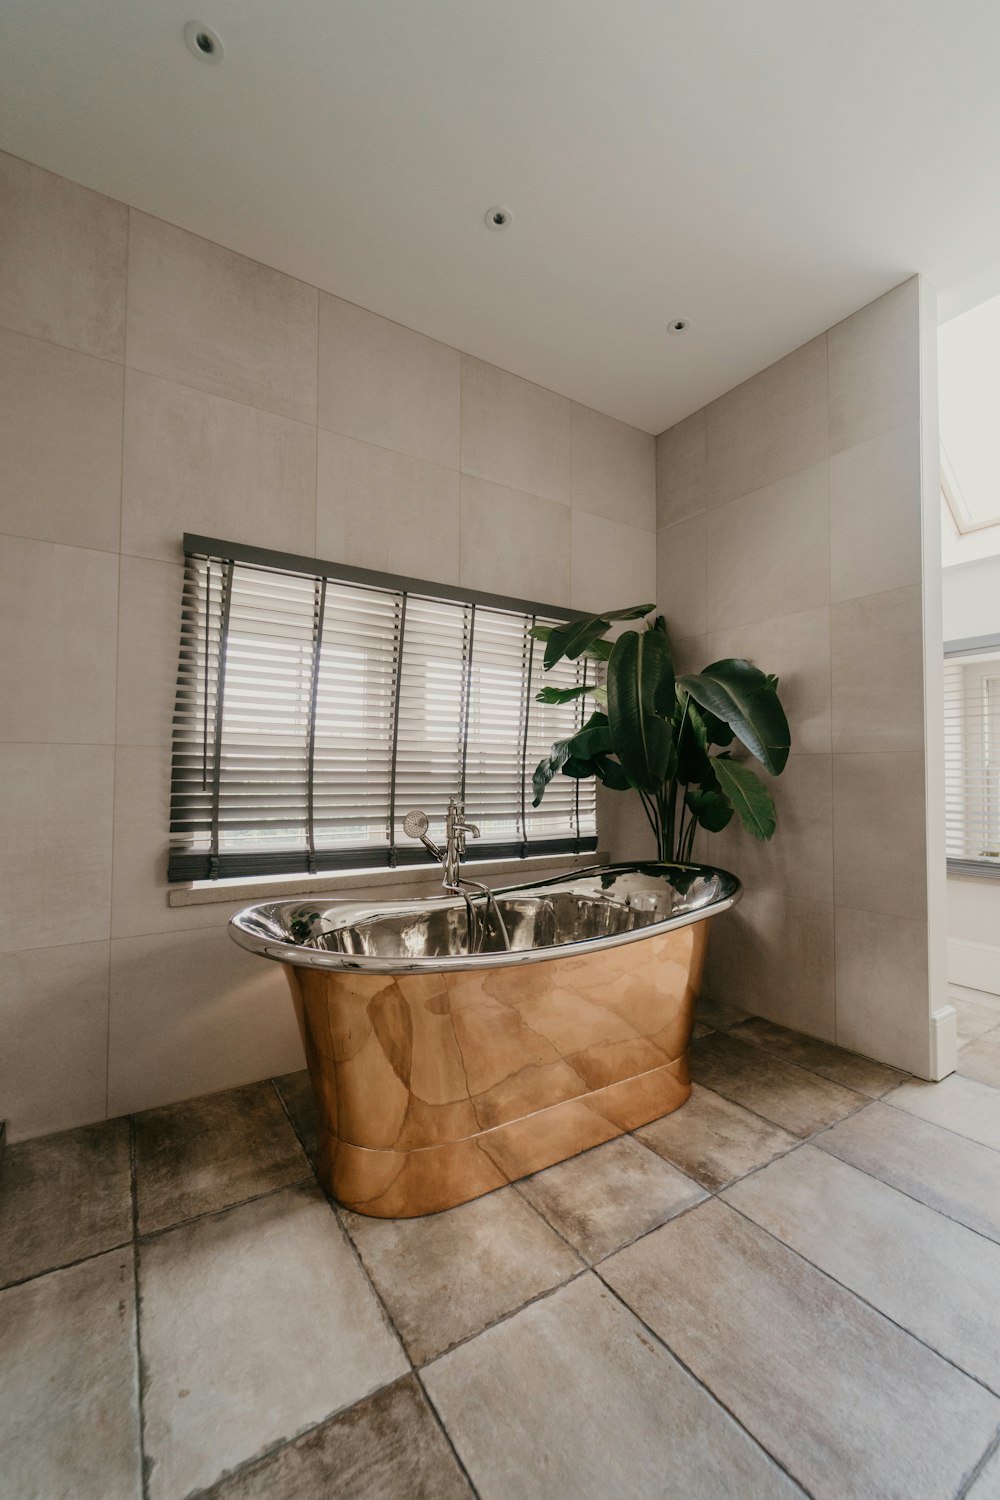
{"points": [[972, 608], [152, 383]]}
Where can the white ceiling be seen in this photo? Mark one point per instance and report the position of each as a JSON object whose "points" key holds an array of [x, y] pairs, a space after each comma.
{"points": [[761, 167]]}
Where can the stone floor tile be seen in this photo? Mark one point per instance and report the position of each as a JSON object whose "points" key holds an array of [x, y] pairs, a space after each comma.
{"points": [[573, 1400], [299, 1100], [388, 1446], [927, 1273], [957, 1177], [780, 1091], [256, 1323], [987, 1482], [64, 1197], [961, 1104], [605, 1198], [446, 1276], [981, 1059], [715, 1141], [700, 1029], [209, 1153], [718, 1015], [850, 1404], [840, 1066], [978, 1013], [69, 1384]]}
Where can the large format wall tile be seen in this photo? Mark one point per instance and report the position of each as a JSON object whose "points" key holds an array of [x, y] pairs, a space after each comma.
{"points": [[62, 260], [384, 510], [796, 649], [798, 861], [768, 552], [61, 604], [55, 831], [877, 1414], [773, 955], [875, 517], [385, 384], [613, 468], [60, 444], [149, 634], [881, 974], [265, 1298], [770, 426], [874, 368], [879, 833], [612, 564], [876, 648], [682, 470], [210, 318], [682, 576], [515, 433], [69, 1384], [573, 1398], [54, 1022], [191, 1013], [196, 462], [514, 544]]}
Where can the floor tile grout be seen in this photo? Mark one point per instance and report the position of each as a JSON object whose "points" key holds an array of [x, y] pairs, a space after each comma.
{"points": [[224, 1208], [67, 1265], [992, 1447], [140, 1367]]}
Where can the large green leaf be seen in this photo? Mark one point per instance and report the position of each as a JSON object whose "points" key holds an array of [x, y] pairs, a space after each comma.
{"points": [[640, 704], [745, 699], [711, 808], [612, 774], [750, 797], [593, 739], [566, 695], [577, 638], [550, 765]]}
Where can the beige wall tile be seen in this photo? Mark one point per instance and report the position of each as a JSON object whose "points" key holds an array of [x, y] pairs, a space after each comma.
{"points": [[149, 633], [63, 251], [879, 833], [682, 576], [798, 860], [192, 1013], [613, 468], [612, 565], [875, 521], [379, 509], [682, 470], [874, 368], [882, 986], [210, 318], [514, 544], [773, 955], [141, 844], [195, 462], [796, 650], [60, 443], [58, 608], [769, 427], [876, 651], [385, 384], [54, 1019], [768, 553], [515, 433], [55, 831]]}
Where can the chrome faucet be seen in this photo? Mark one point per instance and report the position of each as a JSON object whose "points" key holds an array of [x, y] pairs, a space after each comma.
{"points": [[455, 829], [415, 826]]}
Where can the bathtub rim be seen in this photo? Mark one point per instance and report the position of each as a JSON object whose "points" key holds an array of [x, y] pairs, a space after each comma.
{"points": [[318, 958]]}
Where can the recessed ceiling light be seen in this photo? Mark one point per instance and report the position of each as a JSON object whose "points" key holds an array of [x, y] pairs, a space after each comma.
{"points": [[679, 325], [203, 41], [497, 218]]}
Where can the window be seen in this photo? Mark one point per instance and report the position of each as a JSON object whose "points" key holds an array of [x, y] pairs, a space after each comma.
{"points": [[318, 704], [972, 756]]}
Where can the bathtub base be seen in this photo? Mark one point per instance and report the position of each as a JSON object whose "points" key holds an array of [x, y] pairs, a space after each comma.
{"points": [[403, 1184]]}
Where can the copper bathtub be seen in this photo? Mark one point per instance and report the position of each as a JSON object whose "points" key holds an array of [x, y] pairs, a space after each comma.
{"points": [[442, 1073]]}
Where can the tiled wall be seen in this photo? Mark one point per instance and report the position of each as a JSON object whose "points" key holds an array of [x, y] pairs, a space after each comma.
{"points": [[789, 516], [152, 383]]}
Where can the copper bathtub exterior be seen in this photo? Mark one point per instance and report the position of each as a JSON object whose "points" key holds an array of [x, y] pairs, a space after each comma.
{"points": [[445, 1079]]}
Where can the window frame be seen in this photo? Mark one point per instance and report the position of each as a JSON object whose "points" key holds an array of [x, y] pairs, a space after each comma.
{"points": [[186, 866], [963, 652]]}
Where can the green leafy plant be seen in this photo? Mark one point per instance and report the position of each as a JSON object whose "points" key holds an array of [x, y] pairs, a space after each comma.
{"points": [[667, 738]]}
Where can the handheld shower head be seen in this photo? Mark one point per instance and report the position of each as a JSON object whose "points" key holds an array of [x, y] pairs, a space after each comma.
{"points": [[415, 825]]}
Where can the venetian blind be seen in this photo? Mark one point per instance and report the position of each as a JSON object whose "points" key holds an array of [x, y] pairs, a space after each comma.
{"points": [[318, 704], [972, 761]]}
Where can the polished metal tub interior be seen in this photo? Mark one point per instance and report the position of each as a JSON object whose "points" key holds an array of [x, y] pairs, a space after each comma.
{"points": [[442, 1073]]}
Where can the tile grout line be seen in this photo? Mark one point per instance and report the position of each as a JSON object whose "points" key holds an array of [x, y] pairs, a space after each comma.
{"points": [[213, 1213], [965, 1488], [959, 1135], [145, 1465]]}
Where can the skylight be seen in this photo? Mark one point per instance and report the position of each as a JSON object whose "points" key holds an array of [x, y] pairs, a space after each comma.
{"points": [[969, 395]]}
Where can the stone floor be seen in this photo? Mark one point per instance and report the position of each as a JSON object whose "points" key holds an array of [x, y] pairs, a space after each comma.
{"points": [[789, 1287]]}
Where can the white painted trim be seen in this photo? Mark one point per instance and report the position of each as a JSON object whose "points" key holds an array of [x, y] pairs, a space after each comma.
{"points": [[975, 966], [944, 1042]]}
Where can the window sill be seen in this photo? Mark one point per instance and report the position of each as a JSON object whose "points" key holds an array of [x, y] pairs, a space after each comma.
{"points": [[349, 884], [973, 869]]}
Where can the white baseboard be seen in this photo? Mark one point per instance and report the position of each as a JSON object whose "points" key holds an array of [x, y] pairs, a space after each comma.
{"points": [[976, 966], [944, 1041]]}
